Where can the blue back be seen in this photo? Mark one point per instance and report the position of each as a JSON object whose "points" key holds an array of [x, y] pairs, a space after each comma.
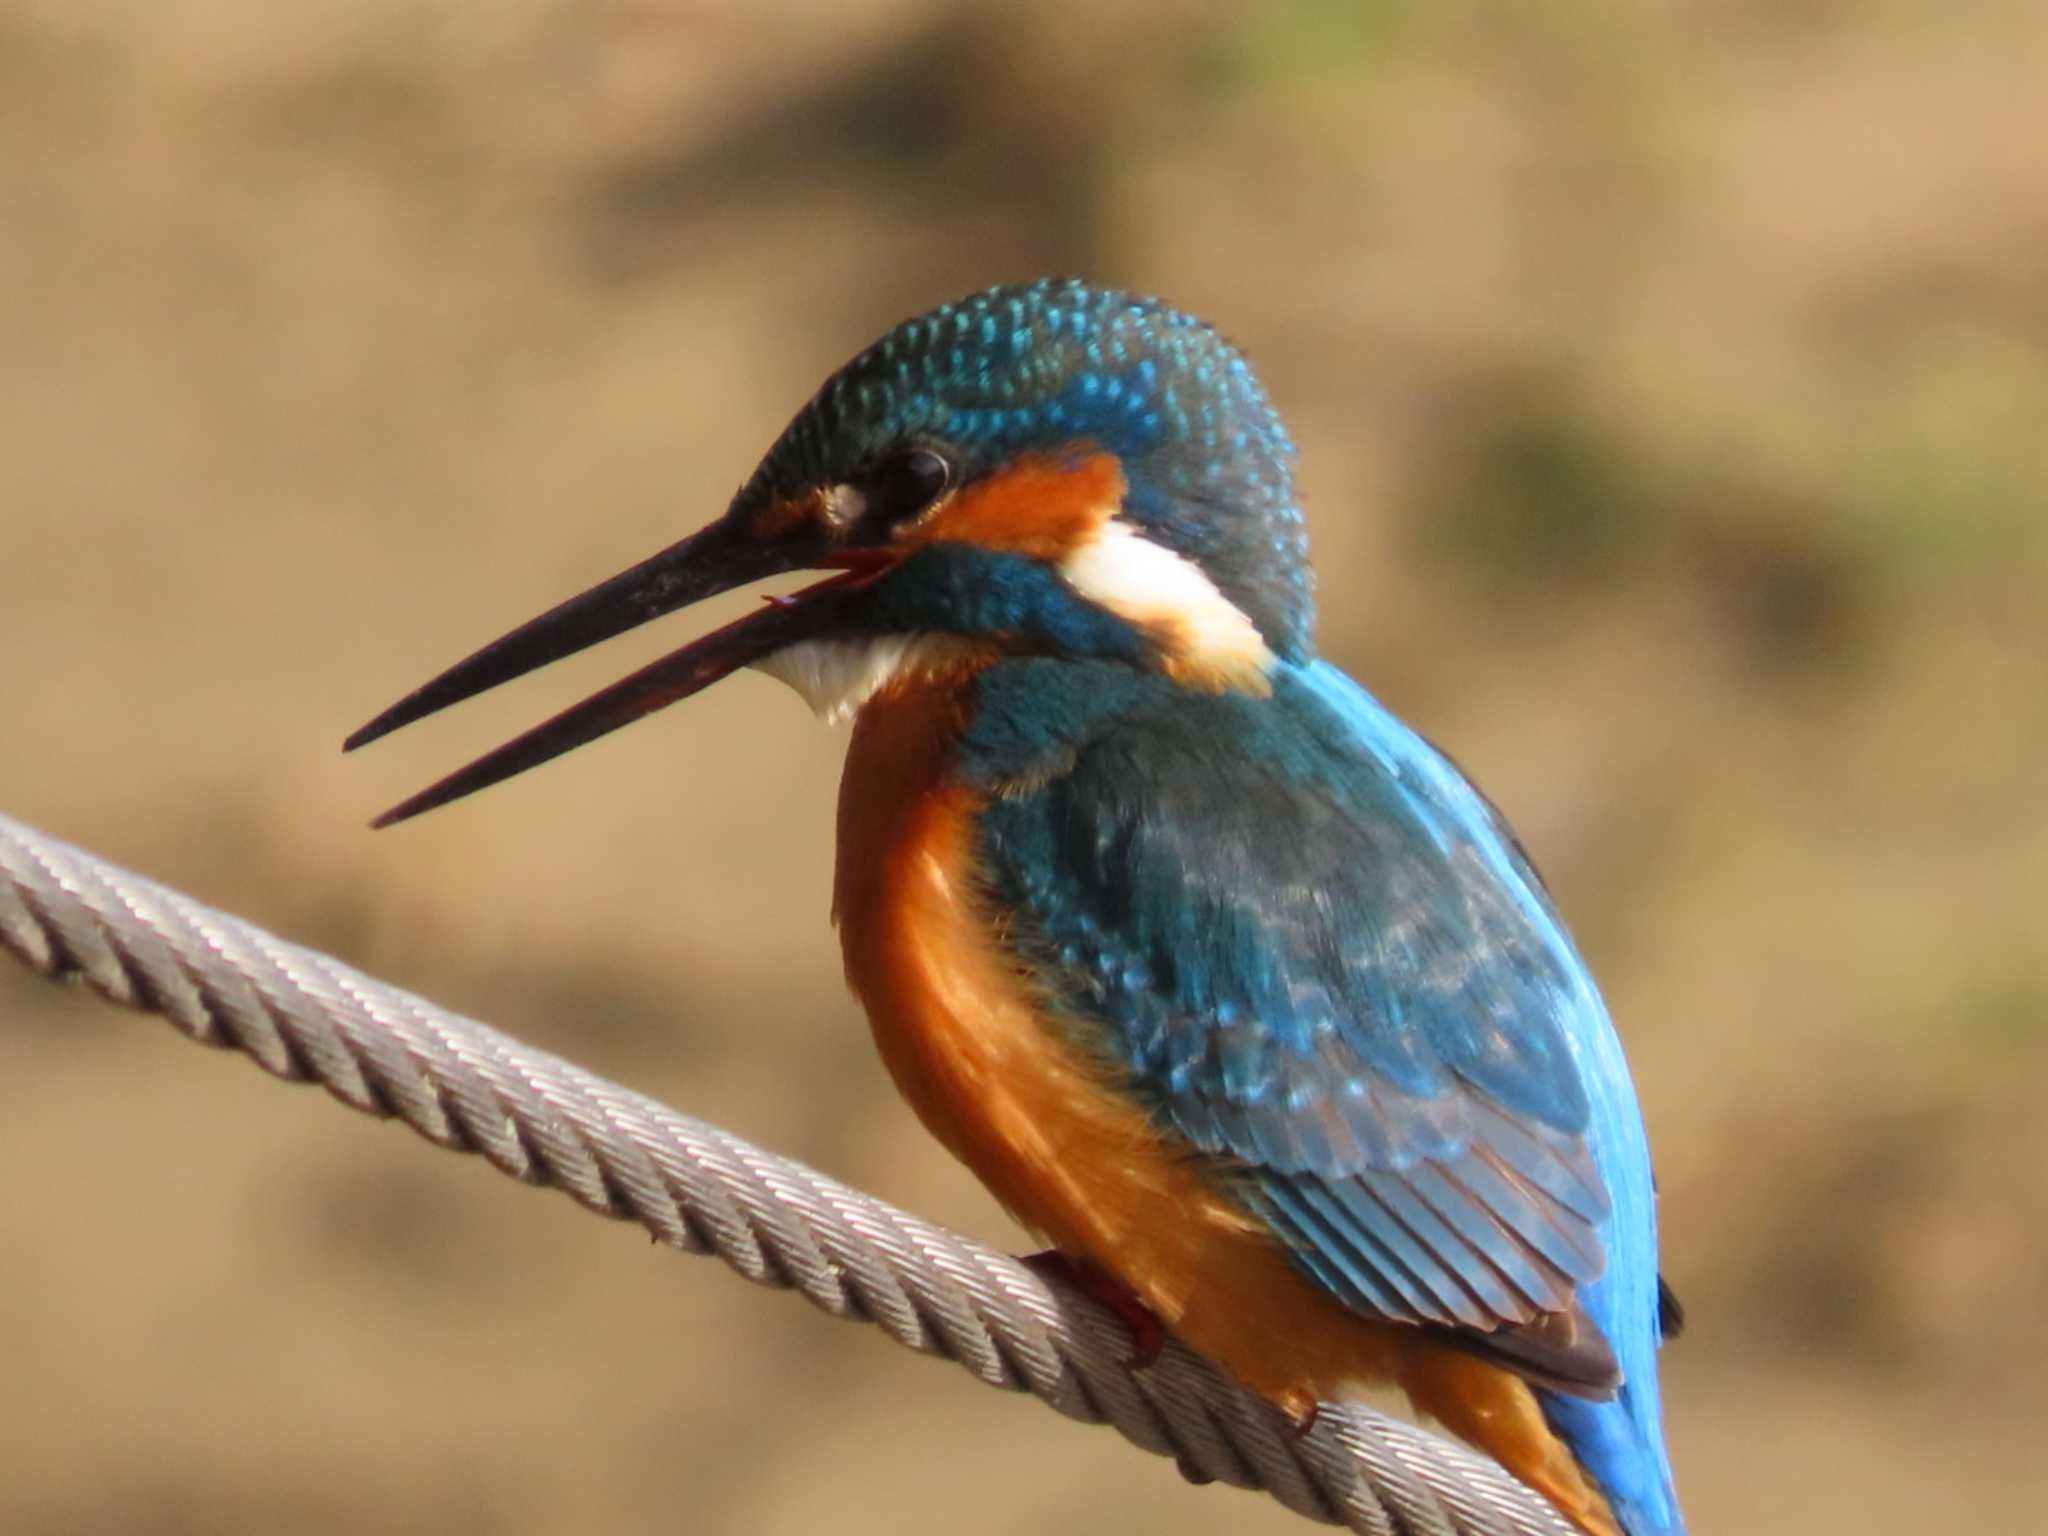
{"points": [[1622, 1442], [1319, 956]]}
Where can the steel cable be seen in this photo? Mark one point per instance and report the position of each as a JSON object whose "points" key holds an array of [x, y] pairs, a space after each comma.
{"points": [[306, 1017]]}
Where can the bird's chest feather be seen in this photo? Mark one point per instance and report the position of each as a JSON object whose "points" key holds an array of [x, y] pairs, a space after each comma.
{"points": [[959, 1026], [1055, 1135]]}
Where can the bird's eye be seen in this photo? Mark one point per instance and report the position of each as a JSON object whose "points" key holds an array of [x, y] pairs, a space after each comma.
{"points": [[906, 483]]}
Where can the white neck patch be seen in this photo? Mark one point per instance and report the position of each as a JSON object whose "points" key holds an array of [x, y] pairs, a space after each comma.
{"points": [[1203, 633], [1205, 637], [836, 677]]}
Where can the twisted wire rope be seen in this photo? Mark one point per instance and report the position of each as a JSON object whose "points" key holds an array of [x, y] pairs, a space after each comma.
{"points": [[306, 1017]]}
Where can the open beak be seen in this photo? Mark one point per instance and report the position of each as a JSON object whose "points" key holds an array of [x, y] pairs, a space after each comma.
{"points": [[714, 560]]}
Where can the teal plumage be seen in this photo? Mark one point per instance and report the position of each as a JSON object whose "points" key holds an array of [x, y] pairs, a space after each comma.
{"points": [[1287, 933], [1047, 365], [1326, 965]]}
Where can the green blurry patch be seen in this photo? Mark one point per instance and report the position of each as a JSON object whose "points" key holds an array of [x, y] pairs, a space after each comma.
{"points": [[1538, 493], [1906, 475], [1298, 42], [1541, 497], [1944, 455], [1994, 1010]]}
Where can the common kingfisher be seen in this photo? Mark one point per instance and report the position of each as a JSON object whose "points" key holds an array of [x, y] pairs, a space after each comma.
{"points": [[1220, 977]]}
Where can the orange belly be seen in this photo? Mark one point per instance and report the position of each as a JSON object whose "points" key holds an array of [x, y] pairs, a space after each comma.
{"points": [[1044, 1127]]}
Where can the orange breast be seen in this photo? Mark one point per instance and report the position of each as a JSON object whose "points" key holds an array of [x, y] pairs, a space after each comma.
{"points": [[1046, 1129], [1043, 1125]]}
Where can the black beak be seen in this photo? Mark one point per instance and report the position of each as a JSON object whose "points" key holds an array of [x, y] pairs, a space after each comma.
{"points": [[717, 559]]}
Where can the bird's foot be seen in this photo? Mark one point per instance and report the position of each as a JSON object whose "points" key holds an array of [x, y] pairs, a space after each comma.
{"points": [[1300, 1420], [1148, 1334]]}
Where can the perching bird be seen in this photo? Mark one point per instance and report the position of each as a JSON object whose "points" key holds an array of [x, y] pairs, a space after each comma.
{"points": [[1220, 977]]}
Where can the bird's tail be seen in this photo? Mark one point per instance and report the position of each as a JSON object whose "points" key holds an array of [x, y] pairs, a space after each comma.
{"points": [[1619, 1445], [1602, 1464]]}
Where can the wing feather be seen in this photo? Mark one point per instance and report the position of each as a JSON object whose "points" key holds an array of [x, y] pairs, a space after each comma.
{"points": [[1314, 955]]}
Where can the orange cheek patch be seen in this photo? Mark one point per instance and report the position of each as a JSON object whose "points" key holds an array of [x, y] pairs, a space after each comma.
{"points": [[780, 519], [1040, 506]]}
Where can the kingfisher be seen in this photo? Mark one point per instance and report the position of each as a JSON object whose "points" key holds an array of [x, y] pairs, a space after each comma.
{"points": [[1222, 979]]}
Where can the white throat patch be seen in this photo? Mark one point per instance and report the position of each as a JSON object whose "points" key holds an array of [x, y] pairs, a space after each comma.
{"points": [[836, 677], [1204, 634], [1205, 638]]}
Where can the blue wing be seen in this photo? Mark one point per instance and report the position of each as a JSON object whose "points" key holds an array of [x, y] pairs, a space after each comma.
{"points": [[1322, 961]]}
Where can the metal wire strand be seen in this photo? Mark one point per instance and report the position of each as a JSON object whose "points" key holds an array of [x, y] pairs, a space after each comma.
{"points": [[306, 1017]]}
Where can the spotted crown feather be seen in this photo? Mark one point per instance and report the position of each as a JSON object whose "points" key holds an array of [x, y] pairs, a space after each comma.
{"points": [[1048, 366]]}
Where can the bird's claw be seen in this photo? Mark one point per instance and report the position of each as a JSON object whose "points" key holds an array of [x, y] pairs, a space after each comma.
{"points": [[1148, 1334]]}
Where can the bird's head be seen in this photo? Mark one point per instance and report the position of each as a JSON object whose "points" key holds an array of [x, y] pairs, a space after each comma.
{"points": [[1042, 469]]}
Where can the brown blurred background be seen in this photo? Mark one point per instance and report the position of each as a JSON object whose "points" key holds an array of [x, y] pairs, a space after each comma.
{"points": [[1672, 380]]}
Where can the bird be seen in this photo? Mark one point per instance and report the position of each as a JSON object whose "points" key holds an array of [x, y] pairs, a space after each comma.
{"points": [[1227, 983]]}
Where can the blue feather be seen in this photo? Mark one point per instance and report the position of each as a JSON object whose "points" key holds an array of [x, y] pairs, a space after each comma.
{"points": [[1055, 363], [1301, 935], [1620, 1442], [1324, 962]]}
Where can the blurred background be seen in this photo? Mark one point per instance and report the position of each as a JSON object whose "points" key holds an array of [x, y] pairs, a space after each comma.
{"points": [[1672, 383]]}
